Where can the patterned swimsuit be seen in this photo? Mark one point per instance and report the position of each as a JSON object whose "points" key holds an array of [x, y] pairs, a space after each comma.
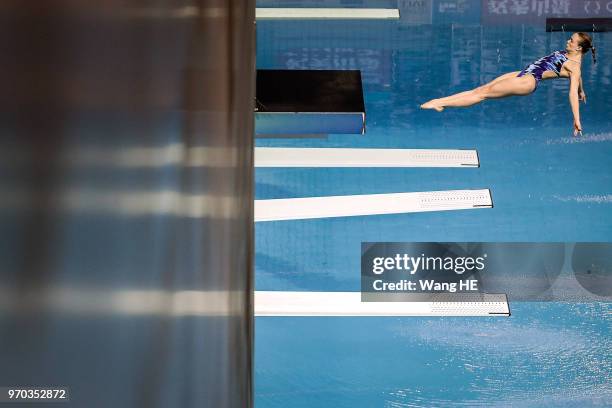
{"points": [[552, 62]]}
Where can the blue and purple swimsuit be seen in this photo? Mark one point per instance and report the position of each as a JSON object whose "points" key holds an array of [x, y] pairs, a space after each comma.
{"points": [[552, 62]]}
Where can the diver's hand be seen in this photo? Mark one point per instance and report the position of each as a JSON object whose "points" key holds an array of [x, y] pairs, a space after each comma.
{"points": [[582, 96], [577, 128]]}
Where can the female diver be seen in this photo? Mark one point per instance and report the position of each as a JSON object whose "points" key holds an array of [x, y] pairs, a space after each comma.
{"points": [[564, 64]]}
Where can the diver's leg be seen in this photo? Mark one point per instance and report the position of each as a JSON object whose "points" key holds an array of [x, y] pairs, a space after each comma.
{"points": [[509, 86], [439, 104], [493, 82]]}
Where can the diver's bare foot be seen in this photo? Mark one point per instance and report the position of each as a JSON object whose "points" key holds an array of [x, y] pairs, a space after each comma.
{"points": [[432, 105]]}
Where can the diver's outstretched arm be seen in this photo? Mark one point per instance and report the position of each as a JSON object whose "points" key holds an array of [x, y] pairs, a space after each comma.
{"points": [[574, 99]]}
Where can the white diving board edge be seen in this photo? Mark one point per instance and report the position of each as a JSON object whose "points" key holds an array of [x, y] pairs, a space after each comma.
{"points": [[277, 303], [351, 157], [274, 13], [370, 204]]}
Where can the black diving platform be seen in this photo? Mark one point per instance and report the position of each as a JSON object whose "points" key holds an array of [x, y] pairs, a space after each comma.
{"points": [[588, 25], [309, 102]]}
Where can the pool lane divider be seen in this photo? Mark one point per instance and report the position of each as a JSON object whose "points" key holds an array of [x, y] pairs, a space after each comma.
{"points": [[296, 303], [284, 209], [350, 157], [274, 13]]}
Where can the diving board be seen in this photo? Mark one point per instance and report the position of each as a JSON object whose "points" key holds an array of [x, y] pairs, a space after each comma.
{"points": [[370, 204], [272, 303], [326, 14], [343, 157]]}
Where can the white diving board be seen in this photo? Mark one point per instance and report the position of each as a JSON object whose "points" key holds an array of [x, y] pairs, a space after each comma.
{"points": [[343, 157], [370, 204], [271, 303], [274, 13]]}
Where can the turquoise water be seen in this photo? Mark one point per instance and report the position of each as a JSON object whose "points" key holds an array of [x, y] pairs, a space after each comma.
{"points": [[555, 355], [546, 186]]}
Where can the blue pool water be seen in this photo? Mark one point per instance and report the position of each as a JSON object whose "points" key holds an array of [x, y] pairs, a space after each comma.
{"points": [[553, 355], [546, 186]]}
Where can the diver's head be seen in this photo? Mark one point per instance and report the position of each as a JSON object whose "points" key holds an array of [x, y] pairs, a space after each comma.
{"points": [[582, 43]]}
